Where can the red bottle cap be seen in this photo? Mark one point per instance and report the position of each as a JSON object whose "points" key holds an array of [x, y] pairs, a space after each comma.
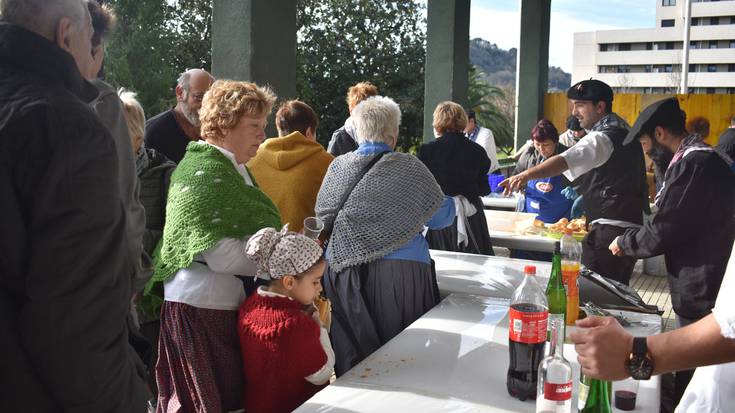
{"points": [[529, 269]]}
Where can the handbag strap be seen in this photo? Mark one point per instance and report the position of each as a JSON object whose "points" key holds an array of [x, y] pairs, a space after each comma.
{"points": [[352, 186]]}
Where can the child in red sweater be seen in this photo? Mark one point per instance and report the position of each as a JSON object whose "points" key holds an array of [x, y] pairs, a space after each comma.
{"points": [[286, 351]]}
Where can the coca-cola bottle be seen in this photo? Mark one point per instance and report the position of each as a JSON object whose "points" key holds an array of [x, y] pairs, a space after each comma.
{"points": [[528, 315], [555, 376]]}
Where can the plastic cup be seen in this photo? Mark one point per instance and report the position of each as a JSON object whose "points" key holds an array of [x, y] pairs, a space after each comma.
{"points": [[313, 226], [625, 392]]}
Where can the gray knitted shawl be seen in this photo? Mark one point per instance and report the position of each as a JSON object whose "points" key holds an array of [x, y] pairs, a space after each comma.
{"points": [[388, 207]]}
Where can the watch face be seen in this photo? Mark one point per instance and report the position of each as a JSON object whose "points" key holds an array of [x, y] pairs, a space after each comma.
{"points": [[640, 367]]}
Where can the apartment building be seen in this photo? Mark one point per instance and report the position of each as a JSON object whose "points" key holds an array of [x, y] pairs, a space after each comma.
{"points": [[648, 60]]}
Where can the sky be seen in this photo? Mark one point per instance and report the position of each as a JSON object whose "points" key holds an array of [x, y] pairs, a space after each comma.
{"points": [[498, 21]]}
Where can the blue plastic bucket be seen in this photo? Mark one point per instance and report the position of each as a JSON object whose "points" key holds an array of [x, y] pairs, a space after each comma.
{"points": [[494, 180]]}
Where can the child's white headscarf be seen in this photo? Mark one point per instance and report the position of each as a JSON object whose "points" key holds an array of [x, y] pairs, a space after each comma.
{"points": [[281, 253]]}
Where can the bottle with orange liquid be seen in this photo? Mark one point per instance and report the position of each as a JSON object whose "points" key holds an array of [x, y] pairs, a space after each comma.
{"points": [[571, 256]]}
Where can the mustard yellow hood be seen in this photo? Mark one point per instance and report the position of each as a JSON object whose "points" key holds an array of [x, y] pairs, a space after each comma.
{"points": [[288, 151]]}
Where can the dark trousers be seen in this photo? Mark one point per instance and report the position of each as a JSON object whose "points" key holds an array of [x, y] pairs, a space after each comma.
{"points": [[682, 377], [597, 257]]}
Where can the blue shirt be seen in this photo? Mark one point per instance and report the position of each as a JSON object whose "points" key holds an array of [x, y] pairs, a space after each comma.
{"points": [[416, 249]]}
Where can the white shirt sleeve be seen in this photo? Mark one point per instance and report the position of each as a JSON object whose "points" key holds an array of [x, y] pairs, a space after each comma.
{"points": [[592, 151], [228, 257], [486, 139], [724, 310], [323, 375]]}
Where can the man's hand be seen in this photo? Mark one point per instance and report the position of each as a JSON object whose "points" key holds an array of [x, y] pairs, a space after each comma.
{"points": [[602, 347], [514, 183], [615, 248]]}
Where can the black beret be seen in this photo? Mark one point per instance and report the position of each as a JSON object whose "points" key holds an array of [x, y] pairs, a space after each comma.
{"points": [[592, 89], [664, 112]]}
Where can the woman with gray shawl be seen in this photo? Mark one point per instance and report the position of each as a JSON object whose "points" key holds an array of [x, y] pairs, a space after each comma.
{"points": [[377, 202]]}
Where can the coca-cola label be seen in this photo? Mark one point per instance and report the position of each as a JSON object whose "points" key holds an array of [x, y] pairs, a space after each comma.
{"points": [[558, 392], [527, 327]]}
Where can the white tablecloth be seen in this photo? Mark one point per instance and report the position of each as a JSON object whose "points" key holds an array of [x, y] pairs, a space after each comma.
{"points": [[453, 359], [483, 275], [522, 242]]}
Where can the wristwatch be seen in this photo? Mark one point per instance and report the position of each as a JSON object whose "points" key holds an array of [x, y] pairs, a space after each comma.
{"points": [[640, 363]]}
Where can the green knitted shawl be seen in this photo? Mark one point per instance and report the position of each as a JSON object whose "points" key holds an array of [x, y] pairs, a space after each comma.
{"points": [[208, 200]]}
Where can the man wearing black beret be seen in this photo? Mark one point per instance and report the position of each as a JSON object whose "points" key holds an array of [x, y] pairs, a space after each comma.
{"points": [[694, 227], [609, 173]]}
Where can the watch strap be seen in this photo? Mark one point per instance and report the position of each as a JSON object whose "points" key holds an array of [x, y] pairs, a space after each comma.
{"points": [[640, 346]]}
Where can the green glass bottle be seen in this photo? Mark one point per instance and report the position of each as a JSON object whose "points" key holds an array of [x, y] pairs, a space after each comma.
{"points": [[556, 294], [597, 397]]}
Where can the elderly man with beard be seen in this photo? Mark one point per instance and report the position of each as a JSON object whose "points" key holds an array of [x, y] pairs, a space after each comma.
{"points": [[169, 132], [65, 276], [694, 227]]}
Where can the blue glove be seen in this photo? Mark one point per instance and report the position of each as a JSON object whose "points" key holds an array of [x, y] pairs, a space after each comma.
{"points": [[569, 193], [578, 208]]}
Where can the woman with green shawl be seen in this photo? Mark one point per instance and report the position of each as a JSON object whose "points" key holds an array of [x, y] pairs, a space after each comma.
{"points": [[213, 208]]}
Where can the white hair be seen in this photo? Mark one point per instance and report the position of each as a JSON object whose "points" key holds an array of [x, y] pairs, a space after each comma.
{"points": [[134, 113], [377, 119], [185, 79], [42, 16]]}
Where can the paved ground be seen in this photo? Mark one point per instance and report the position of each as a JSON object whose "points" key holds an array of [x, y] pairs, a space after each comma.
{"points": [[654, 289]]}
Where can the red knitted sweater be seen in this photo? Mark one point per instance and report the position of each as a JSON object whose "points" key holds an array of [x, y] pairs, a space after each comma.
{"points": [[280, 347]]}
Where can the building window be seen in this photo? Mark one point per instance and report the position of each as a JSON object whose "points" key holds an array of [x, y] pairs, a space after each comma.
{"points": [[713, 44], [624, 47], [711, 68], [732, 19], [710, 91], [692, 68], [667, 23], [649, 46], [732, 44], [694, 45], [668, 68], [667, 3], [603, 47], [669, 45], [731, 67], [648, 68], [714, 21], [695, 21]]}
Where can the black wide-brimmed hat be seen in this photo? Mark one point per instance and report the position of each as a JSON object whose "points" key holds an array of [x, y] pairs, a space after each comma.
{"points": [[664, 112]]}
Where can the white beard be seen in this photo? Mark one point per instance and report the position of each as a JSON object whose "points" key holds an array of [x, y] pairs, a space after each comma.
{"points": [[192, 116]]}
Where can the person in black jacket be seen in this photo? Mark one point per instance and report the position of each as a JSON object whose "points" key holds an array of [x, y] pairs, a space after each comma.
{"points": [[694, 227], [344, 139], [727, 140], [460, 167], [65, 282]]}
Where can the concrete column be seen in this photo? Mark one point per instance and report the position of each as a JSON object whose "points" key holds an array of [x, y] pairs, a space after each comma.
{"points": [[447, 56], [256, 41], [533, 67]]}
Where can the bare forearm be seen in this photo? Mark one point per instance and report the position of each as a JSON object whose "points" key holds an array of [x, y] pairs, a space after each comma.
{"points": [[698, 344], [551, 167]]}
